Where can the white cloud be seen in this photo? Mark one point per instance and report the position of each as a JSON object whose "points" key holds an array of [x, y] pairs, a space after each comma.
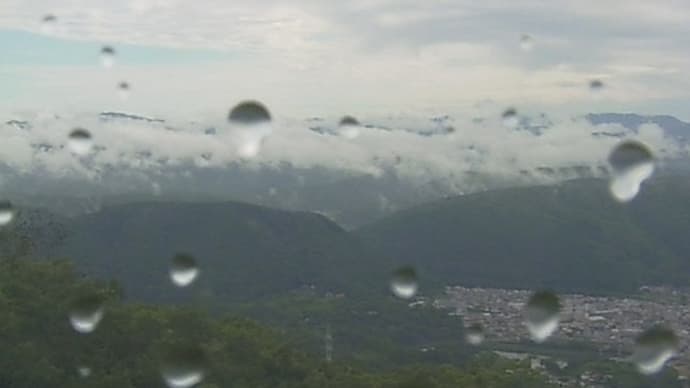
{"points": [[486, 148], [387, 56]]}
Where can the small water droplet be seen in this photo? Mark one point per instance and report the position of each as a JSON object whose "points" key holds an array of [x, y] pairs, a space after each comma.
{"points": [[654, 348], [107, 56], [80, 141], [252, 123], [84, 371], [48, 24], [6, 213], [596, 85], [510, 118], [474, 334], [183, 366], [632, 163], [542, 315], [86, 313], [404, 282], [123, 88], [526, 42], [349, 127], [156, 189], [183, 270]]}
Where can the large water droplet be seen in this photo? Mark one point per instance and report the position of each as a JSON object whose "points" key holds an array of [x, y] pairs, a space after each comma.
{"points": [[80, 141], [526, 42], [84, 371], [632, 163], [252, 123], [107, 56], [510, 118], [349, 127], [474, 334], [86, 313], [249, 113], [183, 270], [183, 366], [654, 348], [48, 24], [123, 89], [6, 213], [404, 282], [542, 315]]}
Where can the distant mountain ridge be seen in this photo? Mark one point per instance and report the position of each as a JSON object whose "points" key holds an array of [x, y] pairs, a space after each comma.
{"points": [[672, 126], [127, 116]]}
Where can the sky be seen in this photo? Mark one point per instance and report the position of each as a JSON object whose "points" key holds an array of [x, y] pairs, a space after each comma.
{"points": [[366, 57], [393, 63]]}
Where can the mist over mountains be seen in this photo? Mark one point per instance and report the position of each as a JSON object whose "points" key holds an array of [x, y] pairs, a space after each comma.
{"points": [[395, 163]]}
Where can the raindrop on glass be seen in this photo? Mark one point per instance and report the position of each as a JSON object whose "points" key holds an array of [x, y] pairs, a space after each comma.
{"points": [[510, 118], [596, 85], [183, 270], [252, 123], [183, 366], [107, 56], [349, 127], [474, 334], [80, 141], [542, 315], [526, 42], [48, 24], [84, 371], [632, 163], [123, 88], [6, 213], [653, 349], [404, 282], [86, 313]]}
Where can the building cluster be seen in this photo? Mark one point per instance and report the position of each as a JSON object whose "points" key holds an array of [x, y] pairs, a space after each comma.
{"points": [[609, 323]]}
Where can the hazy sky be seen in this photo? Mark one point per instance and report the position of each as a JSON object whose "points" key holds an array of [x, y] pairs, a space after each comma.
{"points": [[363, 57]]}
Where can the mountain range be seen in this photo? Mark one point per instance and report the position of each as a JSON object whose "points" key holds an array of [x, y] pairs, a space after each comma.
{"points": [[568, 237]]}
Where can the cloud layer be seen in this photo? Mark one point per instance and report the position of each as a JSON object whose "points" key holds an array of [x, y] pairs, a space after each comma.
{"points": [[444, 148]]}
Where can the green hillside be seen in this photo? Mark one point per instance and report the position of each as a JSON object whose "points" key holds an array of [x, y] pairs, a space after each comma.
{"points": [[129, 347], [245, 252], [296, 271], [567, 237]]}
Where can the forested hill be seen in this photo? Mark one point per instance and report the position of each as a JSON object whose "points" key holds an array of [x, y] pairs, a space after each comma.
{"points": [[568, 237], [130, 346], [244, 252]]}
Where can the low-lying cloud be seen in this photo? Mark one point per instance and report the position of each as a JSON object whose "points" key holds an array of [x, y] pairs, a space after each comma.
{"points": [[414, 148]]}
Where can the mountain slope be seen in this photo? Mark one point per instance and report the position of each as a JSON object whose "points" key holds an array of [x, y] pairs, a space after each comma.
{"points": [[244, 252], [567, 237]]}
